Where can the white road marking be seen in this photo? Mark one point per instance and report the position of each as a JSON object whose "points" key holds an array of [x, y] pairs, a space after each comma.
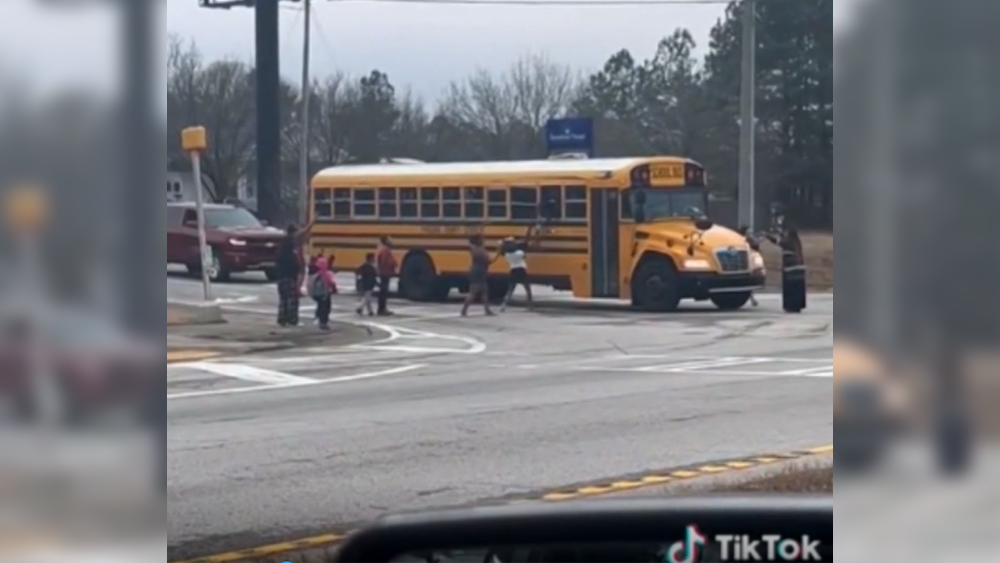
{"points": [[246, 372], [472, 345], [306, 383], [823, 371], [703, 364], [720, 366]]}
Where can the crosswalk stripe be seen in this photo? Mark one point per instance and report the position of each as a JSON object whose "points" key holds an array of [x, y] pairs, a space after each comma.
{"points": [[249, 373]]}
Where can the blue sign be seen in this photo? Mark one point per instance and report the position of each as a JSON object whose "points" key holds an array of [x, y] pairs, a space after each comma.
{"points": [[570, 135]]}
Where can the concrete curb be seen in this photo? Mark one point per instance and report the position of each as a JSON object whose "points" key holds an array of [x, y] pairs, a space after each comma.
{"points": [[185, 313]]}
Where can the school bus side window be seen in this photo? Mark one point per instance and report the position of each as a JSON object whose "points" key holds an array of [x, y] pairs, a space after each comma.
{"points": [[364, 202], [430, 203], [407, 202], [342, 203], [387, 203], [322, 204], [452, 198], [523, 203], [625, 198], [552, 201], [576, 203], [496, 203], [474, 203]]}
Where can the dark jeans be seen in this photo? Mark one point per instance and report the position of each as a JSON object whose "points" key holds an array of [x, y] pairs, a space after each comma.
{"points": [[383, 294], [323, 311], [288, 302]]}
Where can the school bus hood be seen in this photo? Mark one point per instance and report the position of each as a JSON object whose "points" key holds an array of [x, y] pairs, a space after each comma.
{"points": [[682, 231]]}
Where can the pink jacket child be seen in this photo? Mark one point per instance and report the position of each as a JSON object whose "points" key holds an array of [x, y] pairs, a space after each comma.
{"points": [[322, 294], [324, 272]]}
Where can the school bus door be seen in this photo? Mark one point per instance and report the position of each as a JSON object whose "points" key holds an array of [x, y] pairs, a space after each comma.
{"points": [[604, 242]]}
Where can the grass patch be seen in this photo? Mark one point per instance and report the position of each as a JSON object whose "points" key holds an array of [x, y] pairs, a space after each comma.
{"points": [[818, 250], [813, 480]]}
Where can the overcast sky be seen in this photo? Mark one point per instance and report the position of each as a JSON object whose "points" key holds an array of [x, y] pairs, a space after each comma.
{"points": [[427, 46], [422, 46]]}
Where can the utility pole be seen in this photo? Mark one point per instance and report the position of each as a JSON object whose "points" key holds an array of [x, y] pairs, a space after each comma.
{"points": [[745, 196], [304, 156], [268, 111]]}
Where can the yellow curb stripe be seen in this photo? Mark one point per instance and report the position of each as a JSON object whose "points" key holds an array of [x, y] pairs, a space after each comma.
{"points": [[554, 496], [559, 496], [190, 355], [268, 550], [713, 469], [624, 485]]}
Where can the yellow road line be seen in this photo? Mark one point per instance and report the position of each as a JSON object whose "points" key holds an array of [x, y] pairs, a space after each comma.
{"points": [[597, 489], [174, 356]]}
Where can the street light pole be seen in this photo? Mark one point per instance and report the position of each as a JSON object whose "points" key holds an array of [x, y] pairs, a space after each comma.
{"points": [[304, 148], [745, 196]]}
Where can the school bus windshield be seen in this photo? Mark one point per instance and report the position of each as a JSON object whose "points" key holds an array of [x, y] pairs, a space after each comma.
{"points": [[672, 203]]}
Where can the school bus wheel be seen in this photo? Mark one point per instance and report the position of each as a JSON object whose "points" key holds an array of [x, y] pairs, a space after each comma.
{"points": [[418, 279], [730, 301], [654, 286]]}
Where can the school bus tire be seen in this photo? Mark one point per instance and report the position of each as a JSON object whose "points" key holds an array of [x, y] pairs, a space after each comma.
{"points": [[730, 301], [654, 285], [418, 279]]}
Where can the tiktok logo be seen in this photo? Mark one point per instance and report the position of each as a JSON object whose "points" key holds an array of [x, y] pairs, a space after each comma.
{"points": [[686, 551]]}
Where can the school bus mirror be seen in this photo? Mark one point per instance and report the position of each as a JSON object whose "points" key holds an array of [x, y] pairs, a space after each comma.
{"points": [[703, 223]]}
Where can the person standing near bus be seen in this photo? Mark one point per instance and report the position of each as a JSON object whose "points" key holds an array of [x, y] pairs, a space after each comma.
{"points": [[478, 273], [367, 279], [289, 268], [385, 263], [513, 251]]}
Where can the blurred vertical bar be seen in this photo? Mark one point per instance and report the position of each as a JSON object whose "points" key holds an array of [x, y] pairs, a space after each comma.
{"points": [[883, 193], [268, 112], [143, 245]]}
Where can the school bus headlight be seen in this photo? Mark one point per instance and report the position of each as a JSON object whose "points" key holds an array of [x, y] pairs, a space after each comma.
{"points": [[237, 242], [697, 264], [758, 261]]}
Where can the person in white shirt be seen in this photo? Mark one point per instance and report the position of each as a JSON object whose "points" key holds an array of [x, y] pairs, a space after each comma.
{"points": [[513, 252]]}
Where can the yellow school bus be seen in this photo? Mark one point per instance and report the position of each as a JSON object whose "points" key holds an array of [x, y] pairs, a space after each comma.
{"points": [[629, 228]]}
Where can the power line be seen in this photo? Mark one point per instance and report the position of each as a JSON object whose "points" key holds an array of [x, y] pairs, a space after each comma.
{"points": [[576, 3]]}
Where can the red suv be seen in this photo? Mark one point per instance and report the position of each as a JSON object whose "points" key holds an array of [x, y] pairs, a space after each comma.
{"points": [[239, 241]]}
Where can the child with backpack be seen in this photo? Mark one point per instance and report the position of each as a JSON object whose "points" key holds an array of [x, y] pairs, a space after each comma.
{"points": [[321, 287], [367, 279]]}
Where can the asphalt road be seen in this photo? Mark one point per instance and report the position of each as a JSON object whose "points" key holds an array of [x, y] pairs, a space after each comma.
{"points": [[450, 410]]}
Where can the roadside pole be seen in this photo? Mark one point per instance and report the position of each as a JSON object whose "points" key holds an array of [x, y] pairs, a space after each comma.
{"points": [[27, 209], [304, 148], [193, 141]]}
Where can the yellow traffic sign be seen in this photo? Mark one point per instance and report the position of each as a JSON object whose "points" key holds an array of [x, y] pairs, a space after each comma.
{"points": [[26, 209]]}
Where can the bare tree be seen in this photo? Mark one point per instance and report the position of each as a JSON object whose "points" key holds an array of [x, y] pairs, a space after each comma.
{"points": [[542, 90], [509, 111], [486, 105], [335, 100], [411, 132], [220, 97]]}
